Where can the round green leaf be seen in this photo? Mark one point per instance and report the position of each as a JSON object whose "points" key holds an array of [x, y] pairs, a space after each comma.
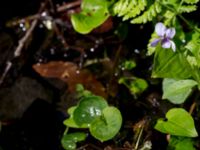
{"points": [[68, 145], [138, 85], [129, 64], [89, 109], [70, 121], [93, 14], [69, 140], [76, 137], [179, 122], [135, 85], [107, 126]]}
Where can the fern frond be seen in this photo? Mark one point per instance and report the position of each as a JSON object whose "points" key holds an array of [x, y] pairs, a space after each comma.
{"points": [[117, 6], [194, 47], [123, 8], [191, 1], [148, 15], [136, 10], [141, 11], [129, 8], [150, 49], [187, 8], [169, 15]]}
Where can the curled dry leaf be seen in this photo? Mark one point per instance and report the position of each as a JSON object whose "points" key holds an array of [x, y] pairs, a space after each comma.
{"points": [[105, 27], [69, 73]]}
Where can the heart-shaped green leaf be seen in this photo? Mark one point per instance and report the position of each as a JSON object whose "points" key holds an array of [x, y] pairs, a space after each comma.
{"points": [[176, 91], [168, 64], [69, 140], [93, 14], [179, 122], [70, 121], [181, 143], [135, 85], [89, 109], [108, 125]]}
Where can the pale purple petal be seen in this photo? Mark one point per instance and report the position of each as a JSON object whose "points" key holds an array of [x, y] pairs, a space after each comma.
{"points": [[173, 46], [170, 33], [160, 29], [155, 42], [166, 43]]}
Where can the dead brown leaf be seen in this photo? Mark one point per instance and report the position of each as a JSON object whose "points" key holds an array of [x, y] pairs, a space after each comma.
{"points": [[69, 73]]}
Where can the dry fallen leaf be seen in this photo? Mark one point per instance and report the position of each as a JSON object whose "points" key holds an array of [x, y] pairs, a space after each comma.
{"points": [[105, 27], [69, 73]]}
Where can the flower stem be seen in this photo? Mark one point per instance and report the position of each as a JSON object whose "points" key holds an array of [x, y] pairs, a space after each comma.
{"points": [[188, 23], [180, 5], [180, 16]]}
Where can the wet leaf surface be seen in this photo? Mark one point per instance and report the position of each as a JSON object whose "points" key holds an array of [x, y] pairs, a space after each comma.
{"points": [[89, 109], [107, 126]]}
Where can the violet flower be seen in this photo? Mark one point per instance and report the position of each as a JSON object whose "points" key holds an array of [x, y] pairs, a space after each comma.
{"points": [[165, 36]]}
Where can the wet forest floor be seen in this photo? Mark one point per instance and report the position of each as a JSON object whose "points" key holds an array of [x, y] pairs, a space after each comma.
{"points": [[39, 86]]}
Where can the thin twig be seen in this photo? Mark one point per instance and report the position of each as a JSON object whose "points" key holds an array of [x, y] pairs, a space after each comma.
{"points": [[21, 44], [192, 107], [68, 6], [94, 146], [59, 9], [8, 66], [53, 8], [23, 40], [56, 28], [138, 139], [82, 147], [60, 35], [116, 61]]}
